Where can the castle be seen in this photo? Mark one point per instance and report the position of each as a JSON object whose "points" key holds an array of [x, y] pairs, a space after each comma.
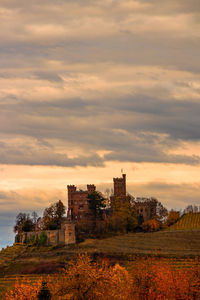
{"points": [[78, 207]]}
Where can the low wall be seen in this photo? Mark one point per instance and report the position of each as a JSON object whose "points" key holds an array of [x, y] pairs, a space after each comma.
{"points": [[63, 236]]}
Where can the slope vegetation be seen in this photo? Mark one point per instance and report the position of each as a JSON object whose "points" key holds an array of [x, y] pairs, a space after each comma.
{"points": [[187, 221]]}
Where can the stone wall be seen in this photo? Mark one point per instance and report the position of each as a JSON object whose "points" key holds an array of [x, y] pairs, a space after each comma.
{"points": [[146, 207], [63, 236]]}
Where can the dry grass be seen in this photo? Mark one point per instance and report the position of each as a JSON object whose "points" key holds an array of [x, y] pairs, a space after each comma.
{"points": [[162, 242]]}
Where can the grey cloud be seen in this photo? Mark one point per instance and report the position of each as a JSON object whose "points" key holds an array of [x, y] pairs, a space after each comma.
{"points": [[176, 196], [95, 124], [131, 134], [26, 155], [48, 76]]}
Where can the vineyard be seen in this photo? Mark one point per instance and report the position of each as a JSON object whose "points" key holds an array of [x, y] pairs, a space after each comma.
{"points": [[176, 251], [143, 278], [187, 221]]}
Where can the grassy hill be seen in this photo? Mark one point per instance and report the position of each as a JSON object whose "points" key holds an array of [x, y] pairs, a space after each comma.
{"points": [[24, 259], [187, 221], [179, 246]]}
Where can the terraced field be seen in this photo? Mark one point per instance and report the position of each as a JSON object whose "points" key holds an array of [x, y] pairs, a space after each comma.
{"points": [[8, 281], [180, 248], [187, 222]]}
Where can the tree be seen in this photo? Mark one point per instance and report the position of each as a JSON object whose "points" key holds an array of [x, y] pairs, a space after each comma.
{"points": [[44, 292], [96, 203], [191, 209], [172, 218], [23, 223], [124, 218], [161, 212], [53, 215]]}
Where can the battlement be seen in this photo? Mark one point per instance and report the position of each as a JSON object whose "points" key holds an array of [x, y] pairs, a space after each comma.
{"points": [[144, 201], [71, 188], [91, 188], [119, 179]]}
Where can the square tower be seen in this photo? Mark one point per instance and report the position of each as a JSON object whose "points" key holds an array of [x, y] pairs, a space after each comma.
{"points": [[78, 207], [120, 186]]}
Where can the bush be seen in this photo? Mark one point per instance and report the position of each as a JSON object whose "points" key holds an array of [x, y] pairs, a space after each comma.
{"points": [[26, 240], [17, 238], [151, 225], [42, 240], [147, 278]]}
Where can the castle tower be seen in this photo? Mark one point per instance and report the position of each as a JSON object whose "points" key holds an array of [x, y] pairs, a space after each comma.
{"points": [[120, 186], [78, 207], [91, 188], [119, 196], [71, 189]]}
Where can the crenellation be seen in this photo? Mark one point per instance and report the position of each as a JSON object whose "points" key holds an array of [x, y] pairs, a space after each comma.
{"points": [[78, 207]]}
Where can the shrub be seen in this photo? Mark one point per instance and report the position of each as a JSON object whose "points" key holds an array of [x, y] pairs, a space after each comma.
{"points": [[42, 240], [17, 238], [151, 225], [147, 278]]}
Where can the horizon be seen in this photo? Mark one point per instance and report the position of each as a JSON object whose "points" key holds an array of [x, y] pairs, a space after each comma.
{"points": [[90, 88]]}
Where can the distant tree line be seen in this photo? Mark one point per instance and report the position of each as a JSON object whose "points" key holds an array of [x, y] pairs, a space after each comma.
{"points": [[52, 218]]}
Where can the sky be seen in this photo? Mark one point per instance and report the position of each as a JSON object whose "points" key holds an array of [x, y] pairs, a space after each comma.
{"points": [[90, 87]]}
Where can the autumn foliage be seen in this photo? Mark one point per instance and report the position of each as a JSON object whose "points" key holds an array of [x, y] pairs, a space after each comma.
{"points": [[151, 225], [146, 278]]}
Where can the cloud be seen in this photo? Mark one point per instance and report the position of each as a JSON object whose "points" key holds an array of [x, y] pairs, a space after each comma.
{"points": [[37, 154]]}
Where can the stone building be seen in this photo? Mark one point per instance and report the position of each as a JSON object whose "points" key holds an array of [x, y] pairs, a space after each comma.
{"points": [[63, 236], [78, 206], [146, 207]]}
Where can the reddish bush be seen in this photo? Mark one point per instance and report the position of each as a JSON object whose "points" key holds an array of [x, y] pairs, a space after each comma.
{"points": [[152, 279], [151, 225]]}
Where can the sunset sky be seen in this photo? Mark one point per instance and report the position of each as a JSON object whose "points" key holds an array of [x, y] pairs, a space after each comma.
{"points": [[88, 87]]}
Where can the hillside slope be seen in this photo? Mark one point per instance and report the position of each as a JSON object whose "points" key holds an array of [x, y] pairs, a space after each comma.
{"points": [[187, 221], [23, 259]]}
